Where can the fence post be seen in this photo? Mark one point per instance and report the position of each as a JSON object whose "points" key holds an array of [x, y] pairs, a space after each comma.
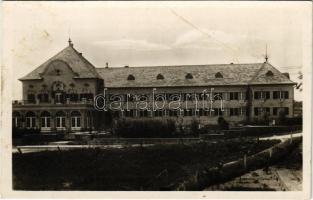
{"points": [[245, 161], [291, 136]]}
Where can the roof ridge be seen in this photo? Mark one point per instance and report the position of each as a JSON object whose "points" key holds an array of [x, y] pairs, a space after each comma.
{"points": [[154, 66]]}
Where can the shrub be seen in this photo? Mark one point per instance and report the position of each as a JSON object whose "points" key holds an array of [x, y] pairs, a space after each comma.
{"points": [[194, 128], [145, 128], [223, 124]]}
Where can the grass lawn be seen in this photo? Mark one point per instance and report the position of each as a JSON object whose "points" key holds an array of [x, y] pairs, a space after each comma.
{"points": [[124, 169]]}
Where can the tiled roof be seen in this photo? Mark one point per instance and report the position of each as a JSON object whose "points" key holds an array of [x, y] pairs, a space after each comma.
{"points": [[203, 75], [81, 66]]}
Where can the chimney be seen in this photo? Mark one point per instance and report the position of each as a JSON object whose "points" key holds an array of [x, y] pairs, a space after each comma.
{"points": [[106, 65], [126, 66], [231, 63]]}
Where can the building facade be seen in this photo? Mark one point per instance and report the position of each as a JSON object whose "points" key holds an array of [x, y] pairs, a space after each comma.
{"points": [[66, 91]]}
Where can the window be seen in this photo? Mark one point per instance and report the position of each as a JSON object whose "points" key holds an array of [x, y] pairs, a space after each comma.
{"points": [[189, 76], [269, 73], [276, 95], [31, 98], [234, 111], [143, 113], [285, 94], [233, 95], [218, 112], [218, 75], [201, 112], [258, 110], [160, 77], [30, 120], [129, 113], [45, 119], [60, 119], [188, 112], [75, 119], [158, 113], [261, 95], [280, 95], [43, 97], [286, 110], [173, 113], [275, 111], [16, 119], [130, 77]]}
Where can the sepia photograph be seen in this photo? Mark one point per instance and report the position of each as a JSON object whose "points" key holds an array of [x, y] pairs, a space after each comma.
{"points": [[157, 96]]}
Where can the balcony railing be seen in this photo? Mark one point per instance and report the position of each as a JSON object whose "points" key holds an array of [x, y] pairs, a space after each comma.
{"points": [[66, 102]]}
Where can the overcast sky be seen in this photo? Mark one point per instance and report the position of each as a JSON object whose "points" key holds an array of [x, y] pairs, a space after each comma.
{"points": [[156, 33]]}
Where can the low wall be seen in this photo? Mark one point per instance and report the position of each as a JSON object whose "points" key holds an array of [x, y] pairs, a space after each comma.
{"points": [[226, 172], [107, 141]]}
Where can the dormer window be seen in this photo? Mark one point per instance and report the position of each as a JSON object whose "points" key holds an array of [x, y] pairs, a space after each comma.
{"points": [[130, 77], [189, 76], [160, 77], [58, 72], [269, 73], [218, 75]]}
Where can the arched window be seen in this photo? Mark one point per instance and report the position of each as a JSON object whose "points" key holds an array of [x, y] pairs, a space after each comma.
{"points": [[269, 73], [75, 120], [60, 119], [218, 75], [30, 119], [189, 76], [130, 77], [17, 119], [160, 77], [45, 119]]}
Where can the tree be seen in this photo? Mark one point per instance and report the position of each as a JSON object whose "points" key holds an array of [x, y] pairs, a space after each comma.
{"points": [[299, 85]]}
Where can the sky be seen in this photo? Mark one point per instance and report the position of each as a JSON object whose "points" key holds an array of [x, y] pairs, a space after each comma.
{"points": [[157, 33]]}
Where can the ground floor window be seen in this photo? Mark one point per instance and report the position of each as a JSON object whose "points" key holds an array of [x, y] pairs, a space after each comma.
{"points": [[75, 119], [60, 122], [45, 122], [30, 122], [45, 119]]}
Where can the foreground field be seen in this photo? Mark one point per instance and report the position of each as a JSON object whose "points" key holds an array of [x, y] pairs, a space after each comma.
{"points": [[150, 168]]}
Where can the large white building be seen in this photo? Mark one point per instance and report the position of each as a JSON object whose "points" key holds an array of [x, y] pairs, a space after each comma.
{"points": [[59, 94]]}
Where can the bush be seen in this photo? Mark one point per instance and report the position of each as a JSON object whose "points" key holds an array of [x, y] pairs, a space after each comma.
{"points": [[194, 127], [20, 132], [145, 128], [223, 124]]}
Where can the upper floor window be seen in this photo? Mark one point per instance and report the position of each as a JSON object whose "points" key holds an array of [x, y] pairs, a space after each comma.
{"points": [[233, 95], [189, 76], [269, 73], [160, 77], [130, 77], [261, 95], [280, 95], [218, 75]]}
